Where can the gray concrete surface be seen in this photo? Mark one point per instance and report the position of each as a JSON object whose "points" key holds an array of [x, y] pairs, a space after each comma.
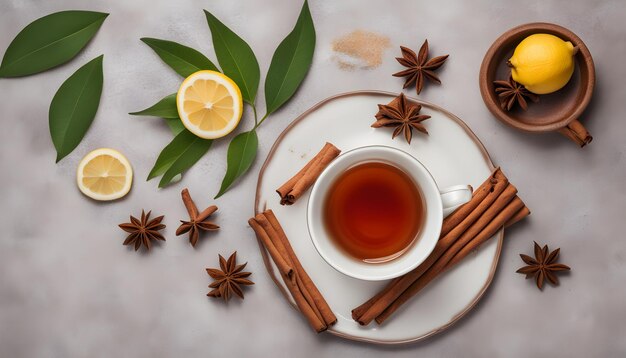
{"points": [[68, 288]]}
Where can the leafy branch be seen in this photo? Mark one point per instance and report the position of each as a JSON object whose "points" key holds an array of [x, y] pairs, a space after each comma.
{"points": [[288, 68]]}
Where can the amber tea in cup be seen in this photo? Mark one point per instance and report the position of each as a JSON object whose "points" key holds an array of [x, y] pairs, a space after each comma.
{"points": [[373, 211]]}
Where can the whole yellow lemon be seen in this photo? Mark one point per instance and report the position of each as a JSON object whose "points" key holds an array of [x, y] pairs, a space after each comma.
{"points": [[543, 63]]}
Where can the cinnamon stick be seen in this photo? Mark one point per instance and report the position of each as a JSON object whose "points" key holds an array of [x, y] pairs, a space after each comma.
{"points": [[524, 212], [304, 292], [281, 248], [291, 281], [196, 221], [463, 218], [327, 313], [291, 190], [510, 211], [577, 132], [191, 207], [486, 219], [206, 213], [358, 312], [281, 263], [449, 260], [479, 194], [303, 305]]}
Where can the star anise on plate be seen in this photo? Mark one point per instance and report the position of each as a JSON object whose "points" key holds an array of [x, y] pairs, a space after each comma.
{"points": [[543, 266], [402, 114], [228, 278], [142, 231], [197, 221], [510, 92], [419, 66]]}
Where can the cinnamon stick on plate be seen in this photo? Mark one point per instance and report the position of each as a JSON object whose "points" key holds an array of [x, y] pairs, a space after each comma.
{"points": [[493, 205], [304, 292], [299, 183]]}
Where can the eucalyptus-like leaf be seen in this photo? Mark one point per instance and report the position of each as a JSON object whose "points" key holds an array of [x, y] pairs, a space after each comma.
{"points": [[74, 107], [49, 42], [165, 108], [291, 62], [235, 58], [194, 152], [179, 155], [175, 124], [182, 59], [241, 153]]}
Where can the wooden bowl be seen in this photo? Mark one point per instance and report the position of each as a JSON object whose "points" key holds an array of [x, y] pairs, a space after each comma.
{"points": [[558, 111]]}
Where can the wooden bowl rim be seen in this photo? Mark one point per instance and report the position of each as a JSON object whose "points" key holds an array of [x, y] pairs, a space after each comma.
{"points": [[585, 60]]}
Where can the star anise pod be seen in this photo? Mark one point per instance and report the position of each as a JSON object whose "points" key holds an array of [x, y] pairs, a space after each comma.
{"points": [[229, 278], [419, 66], [143, 231], [510, 92], [402, 114], [197, 221], [542, 266]]}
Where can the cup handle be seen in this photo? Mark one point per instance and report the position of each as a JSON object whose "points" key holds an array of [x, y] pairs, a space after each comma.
{"points": [[454, 196], [576, 132]]}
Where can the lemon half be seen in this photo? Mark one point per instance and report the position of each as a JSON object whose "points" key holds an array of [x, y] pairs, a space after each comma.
{"points": [[209, 104], [104, 174]]}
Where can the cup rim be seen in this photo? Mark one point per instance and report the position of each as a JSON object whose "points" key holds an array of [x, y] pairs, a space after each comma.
{"points": [[428, 244]]}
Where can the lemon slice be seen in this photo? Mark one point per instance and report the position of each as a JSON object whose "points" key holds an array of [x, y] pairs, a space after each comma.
{"points": [[104, 174], [209, 104]]}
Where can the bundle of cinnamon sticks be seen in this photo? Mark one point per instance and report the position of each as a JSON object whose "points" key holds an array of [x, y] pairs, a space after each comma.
{"points": [[304, 292], [493, 205], [299, 183]]}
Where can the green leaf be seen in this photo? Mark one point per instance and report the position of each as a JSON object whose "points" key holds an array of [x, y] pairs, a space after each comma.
{"points": [[291, 62], [235, 57], [49, 42], [182, 59], [74, 107], [188, 158], [175, 124], [165, 108], [179, 155], [241, 154]]}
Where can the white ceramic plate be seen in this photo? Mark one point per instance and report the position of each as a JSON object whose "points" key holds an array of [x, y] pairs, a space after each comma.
{"points": [[452, 153]]}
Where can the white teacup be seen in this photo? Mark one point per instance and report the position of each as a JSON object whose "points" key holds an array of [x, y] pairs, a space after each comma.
{"points": [[438, 204]]}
